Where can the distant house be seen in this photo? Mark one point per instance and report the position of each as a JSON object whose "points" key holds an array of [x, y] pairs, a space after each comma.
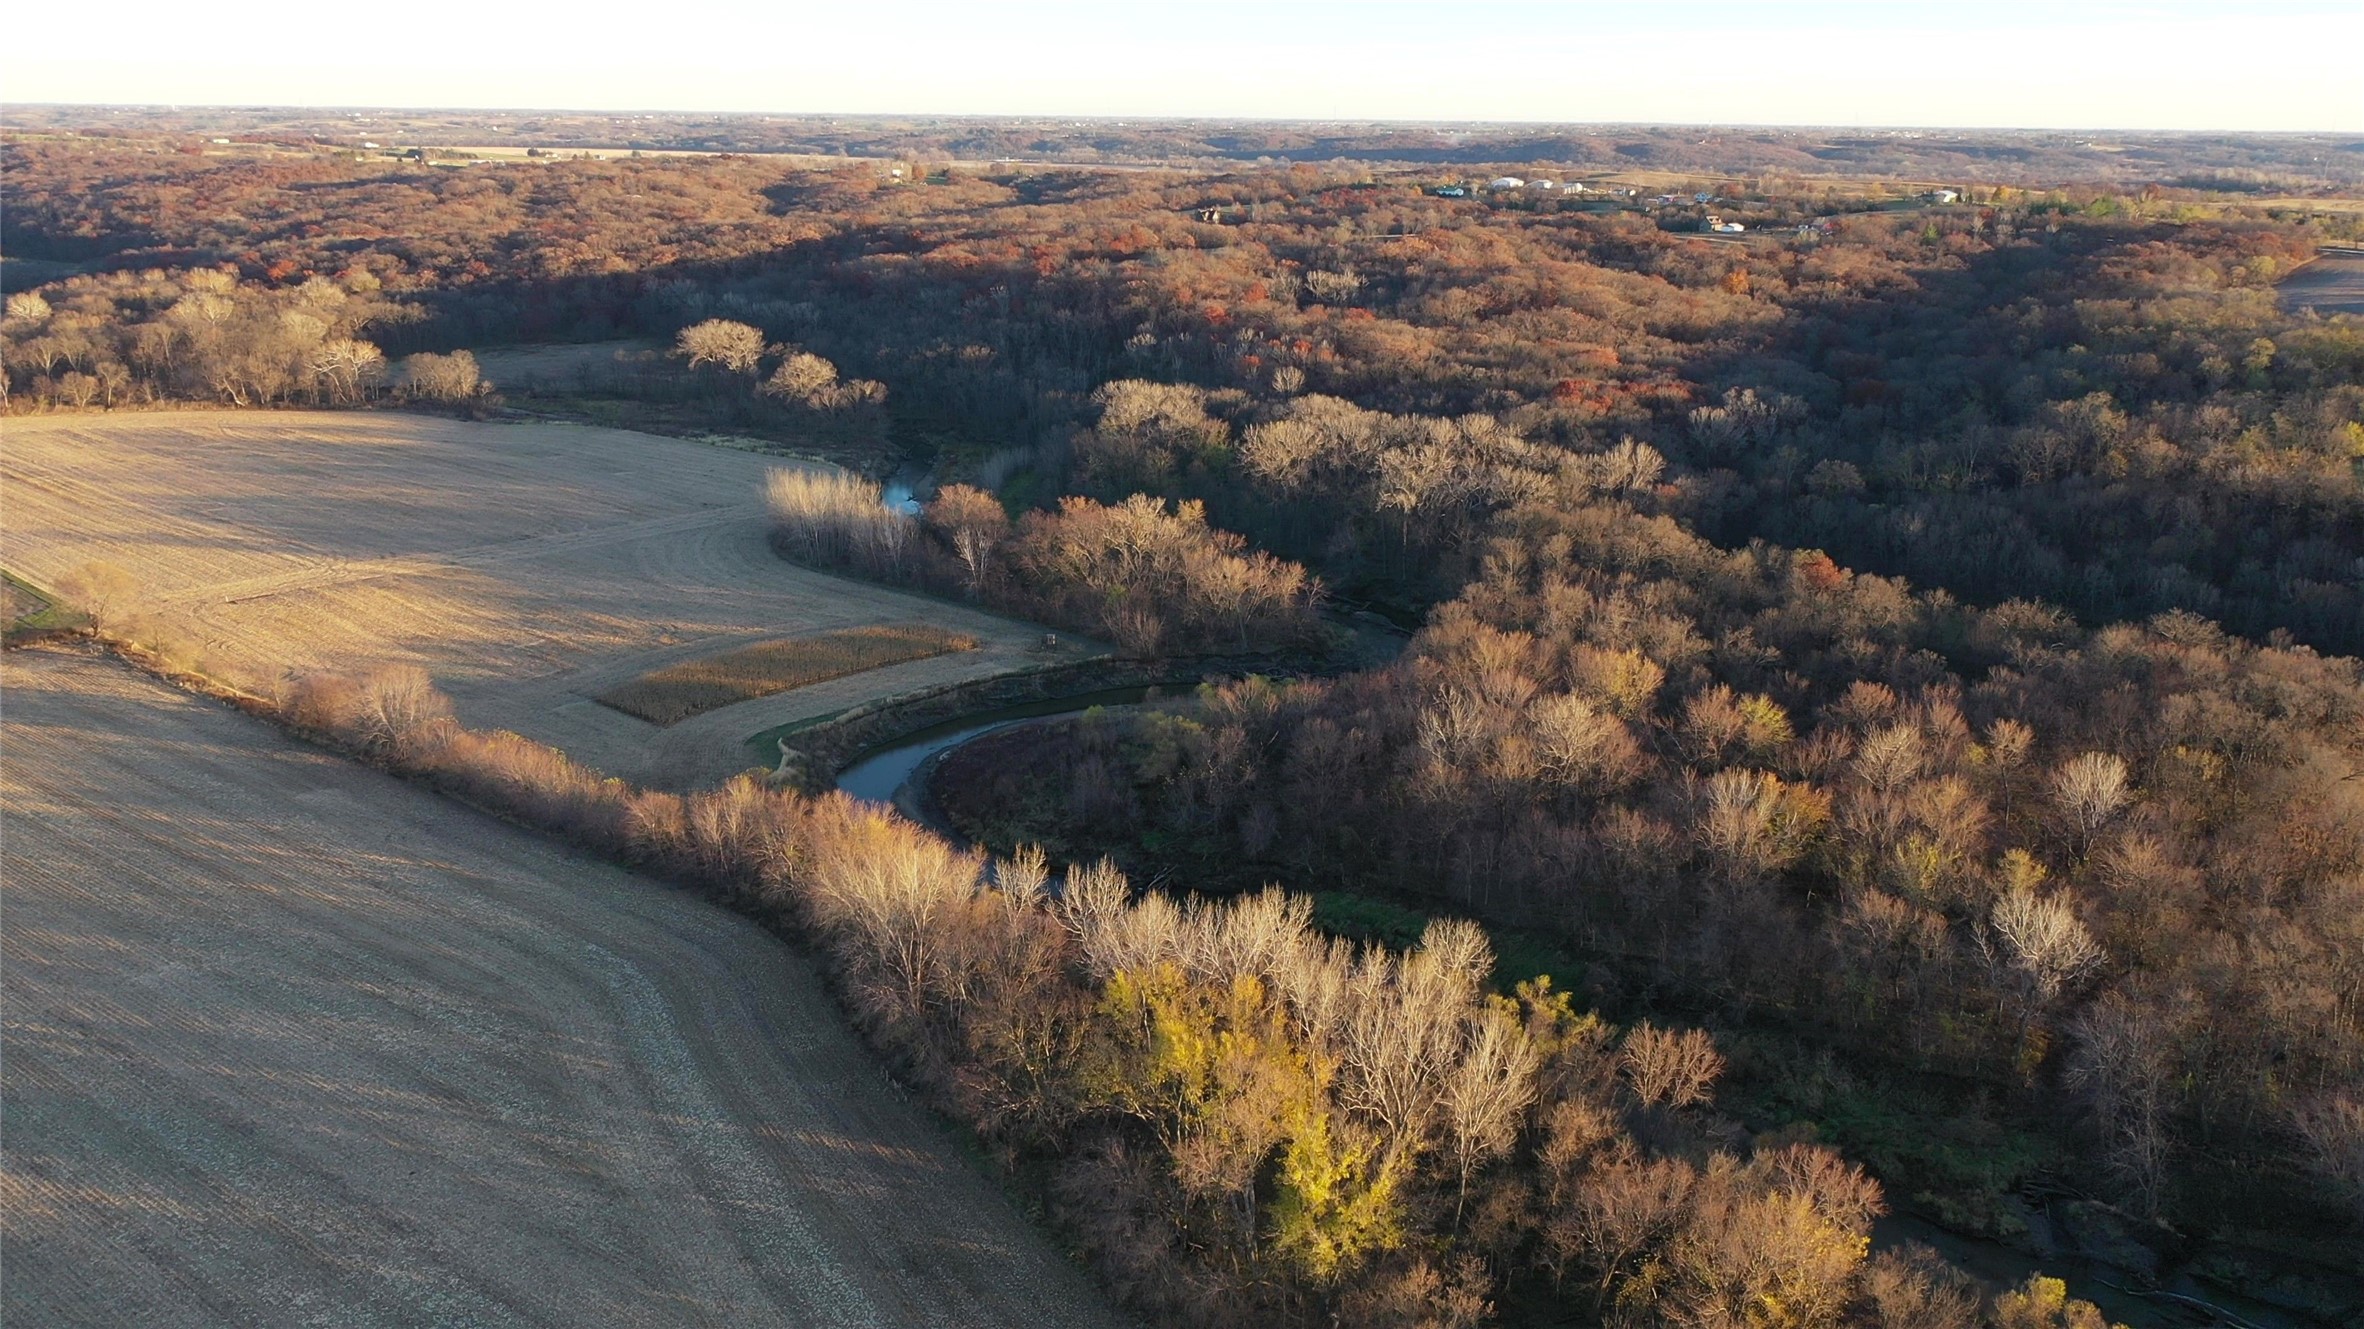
{"points": [[1541, 184], [1942, 196], [1577, 187], [1506, 182]]}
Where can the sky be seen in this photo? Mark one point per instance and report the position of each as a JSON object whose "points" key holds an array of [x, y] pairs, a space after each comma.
{"points": [[2084, 64]]}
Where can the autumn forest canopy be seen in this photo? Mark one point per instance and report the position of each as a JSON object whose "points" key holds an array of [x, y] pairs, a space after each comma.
{"points": [[1885, 617]]}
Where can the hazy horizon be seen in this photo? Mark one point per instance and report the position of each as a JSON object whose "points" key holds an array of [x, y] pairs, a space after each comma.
{"points": [[1343, 122], [2119, 67]]}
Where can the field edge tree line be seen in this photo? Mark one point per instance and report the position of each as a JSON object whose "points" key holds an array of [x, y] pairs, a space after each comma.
{"points": [[1240, 1120]]}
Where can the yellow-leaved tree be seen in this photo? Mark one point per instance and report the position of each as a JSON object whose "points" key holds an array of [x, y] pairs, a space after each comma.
{"points": [[1212, 1071], [1335, 1201]]}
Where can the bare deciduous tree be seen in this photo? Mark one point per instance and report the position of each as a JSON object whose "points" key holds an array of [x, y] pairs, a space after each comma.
{"points": [[1914, 1288], [1487, 1093], [395, 708], [345, 368], [833, 519], [445, 379], [2333, 1127], [1402, 1028], [2043, 940], [2089, 789], [736, 347], [78, 389], [1664, 1066], [104, 592], [802, 377], [1628, 468], [1333, 287], [1751, 823], [974, 525], [1580, 746], [2123, 1065]]}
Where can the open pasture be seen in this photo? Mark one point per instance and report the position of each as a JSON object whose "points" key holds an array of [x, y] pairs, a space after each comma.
{"points": [[528, 567], [290, 1041], [558, 366]]}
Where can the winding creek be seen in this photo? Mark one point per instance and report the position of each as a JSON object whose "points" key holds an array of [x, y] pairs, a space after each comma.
{"points": [[897, 773]]}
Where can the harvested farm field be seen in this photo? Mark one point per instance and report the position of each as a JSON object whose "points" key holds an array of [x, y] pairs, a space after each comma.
{"points": [[528, 567], [290, 1041], [694, 687], [2332, 284]]}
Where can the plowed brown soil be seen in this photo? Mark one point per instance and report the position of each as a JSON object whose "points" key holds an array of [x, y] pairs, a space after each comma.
{"points": [[2332, 284], [528, 567], [287, 1041]]}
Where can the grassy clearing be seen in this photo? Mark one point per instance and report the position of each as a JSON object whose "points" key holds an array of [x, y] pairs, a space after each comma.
{"points": [[1954, 1154], [27, 611], [694, 687], [765, 743]]}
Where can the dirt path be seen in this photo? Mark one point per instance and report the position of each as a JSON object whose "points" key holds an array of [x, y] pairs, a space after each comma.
{"points": [[288, 1041], [528, 567]]}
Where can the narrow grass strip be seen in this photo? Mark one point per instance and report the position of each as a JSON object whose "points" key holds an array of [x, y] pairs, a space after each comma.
{"points": [[693, 687]]}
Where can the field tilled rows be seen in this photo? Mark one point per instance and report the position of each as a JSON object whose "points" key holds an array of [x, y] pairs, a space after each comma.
{"points": [[289, 1041], [2332, 284], [528, 567]]}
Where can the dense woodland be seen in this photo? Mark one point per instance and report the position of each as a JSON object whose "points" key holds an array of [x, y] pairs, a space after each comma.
{"points": [[1240, 1119], [2075, 396], [1914, 641]]}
